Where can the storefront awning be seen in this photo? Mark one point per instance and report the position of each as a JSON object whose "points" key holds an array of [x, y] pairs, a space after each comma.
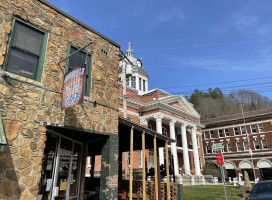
{"points": [[3, 142], [125, 126]]}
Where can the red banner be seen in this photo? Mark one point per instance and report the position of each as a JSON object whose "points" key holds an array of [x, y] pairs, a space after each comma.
{"points": [[219, 159], [73, 87]]}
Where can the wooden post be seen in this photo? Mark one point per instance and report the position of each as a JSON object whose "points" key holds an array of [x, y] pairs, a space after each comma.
{"points": [[156, 169], [143, 164], [131, 164], [167, 171]]}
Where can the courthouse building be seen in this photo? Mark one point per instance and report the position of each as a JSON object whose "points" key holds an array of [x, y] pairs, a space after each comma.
{"points": [[167, 114], [43, 147], [232, 131]]}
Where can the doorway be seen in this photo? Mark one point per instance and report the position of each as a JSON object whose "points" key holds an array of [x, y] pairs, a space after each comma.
{"points": [[61, 168]]}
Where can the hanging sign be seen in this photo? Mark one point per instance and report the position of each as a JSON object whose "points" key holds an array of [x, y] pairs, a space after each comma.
{"points": [[73, 87]]}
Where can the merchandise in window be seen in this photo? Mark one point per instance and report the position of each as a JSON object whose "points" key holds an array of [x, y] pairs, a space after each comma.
{"points": [[26, 51]]}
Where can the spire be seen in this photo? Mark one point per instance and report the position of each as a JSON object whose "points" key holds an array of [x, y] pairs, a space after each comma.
{"points": [[129, 51]]}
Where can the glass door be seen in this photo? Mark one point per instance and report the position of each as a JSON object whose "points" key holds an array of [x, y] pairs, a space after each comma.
{"points": [[61, 169]]}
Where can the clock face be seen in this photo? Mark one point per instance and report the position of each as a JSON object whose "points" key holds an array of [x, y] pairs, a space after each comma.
{"points": [[139, 63]]}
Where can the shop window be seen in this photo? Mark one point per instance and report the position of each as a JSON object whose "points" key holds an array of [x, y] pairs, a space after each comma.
{"points": [[26, 51], [208, 149], [206, 135], [239, 146], [229, 147], [140, 84], [133, 82], [212, 134], [243, 130], [264, 144], [226, 132], [256, 145], [253, 128], [261, 128], [79, 59], [236, 131], [220, 133]]}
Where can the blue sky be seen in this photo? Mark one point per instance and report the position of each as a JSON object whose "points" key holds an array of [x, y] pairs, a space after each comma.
{"points": [[189, 44]]}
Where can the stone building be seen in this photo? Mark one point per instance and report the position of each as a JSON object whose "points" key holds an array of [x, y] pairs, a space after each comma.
{"points": [[45, 146], [167, 114], [232, 132]]}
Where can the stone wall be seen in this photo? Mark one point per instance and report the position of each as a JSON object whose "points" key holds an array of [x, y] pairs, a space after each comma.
{"points": [[29, 104]]}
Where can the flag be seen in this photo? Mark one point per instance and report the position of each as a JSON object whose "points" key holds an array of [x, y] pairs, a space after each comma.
{"points": [[250, 150]]}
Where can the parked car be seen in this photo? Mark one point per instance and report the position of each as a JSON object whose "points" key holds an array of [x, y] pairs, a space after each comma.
{"points": [[261, 191]]}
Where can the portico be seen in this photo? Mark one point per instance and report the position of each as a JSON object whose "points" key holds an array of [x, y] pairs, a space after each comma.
{"points": [[184, 133]]}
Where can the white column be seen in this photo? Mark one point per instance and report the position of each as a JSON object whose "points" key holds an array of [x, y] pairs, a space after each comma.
{"points": [[137, 81], [195, 150], [159, 130], [174, 145], [185, 149]]}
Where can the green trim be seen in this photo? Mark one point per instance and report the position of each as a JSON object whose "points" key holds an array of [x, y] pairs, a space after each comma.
{"points": [[90, 61], [39, 69], [3, 141]]}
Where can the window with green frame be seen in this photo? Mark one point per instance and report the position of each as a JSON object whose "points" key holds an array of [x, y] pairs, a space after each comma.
{"points": [[79, 59], [26, 50]]}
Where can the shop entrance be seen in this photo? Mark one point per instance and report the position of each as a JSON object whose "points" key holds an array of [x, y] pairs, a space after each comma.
{"points": [[61, 168]]}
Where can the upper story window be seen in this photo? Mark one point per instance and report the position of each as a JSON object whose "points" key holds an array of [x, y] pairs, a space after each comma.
{"points": [[261, 128], [206, 135], [212, 134], [226, 132], [243, 130], [164, 131], [133, 82], [79, 59], [236, 131], [220, 133], [256, 145], [25, 55], [246, 146], [208, 149], [127, 79], [264, 144], [150, 127], [140, 84], [239, 146], [253, 128], [229, 147], [144, 85]]}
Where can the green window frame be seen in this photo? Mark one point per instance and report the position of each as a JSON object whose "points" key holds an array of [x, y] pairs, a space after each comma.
{"points": [[38, 54], [88, 67]]}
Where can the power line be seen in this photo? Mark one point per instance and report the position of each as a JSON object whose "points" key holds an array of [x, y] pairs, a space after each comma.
{"points": [[219, 82], [194, 38], [230, 54], [223, 63], [207, 45]]}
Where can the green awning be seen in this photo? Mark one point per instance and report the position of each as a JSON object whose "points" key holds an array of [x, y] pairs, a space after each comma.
{"points": [[3, 141]]}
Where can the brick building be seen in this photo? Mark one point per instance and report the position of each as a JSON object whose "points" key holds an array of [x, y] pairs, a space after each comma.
{"points": [[167, 114], [45, 146], [231, 131]]}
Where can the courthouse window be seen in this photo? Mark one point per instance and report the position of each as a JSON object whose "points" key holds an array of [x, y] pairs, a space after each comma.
{"points": [[264, 143], [239, 146], [220, 133], [256, 144], [253, 128], [236, 131], [243, 130], [212, 134], [261, 128], [26, 51], [226, 132], [229, 147]]}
